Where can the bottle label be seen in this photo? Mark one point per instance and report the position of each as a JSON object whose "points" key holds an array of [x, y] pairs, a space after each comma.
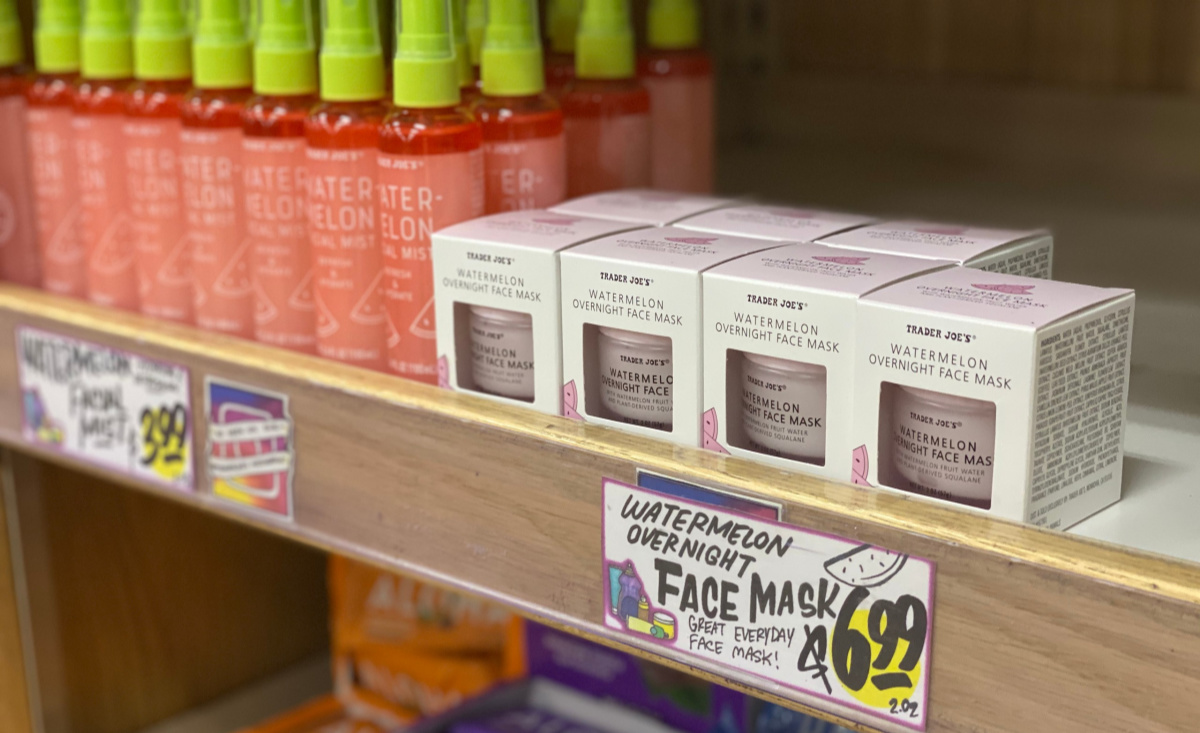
{"points": [[56, 191], [417, 196], [18, 238], [164, 271], [607, 153], [104, 220], [275, 171], [347, 270], [681, 114], [211, 162], [525, 174]]}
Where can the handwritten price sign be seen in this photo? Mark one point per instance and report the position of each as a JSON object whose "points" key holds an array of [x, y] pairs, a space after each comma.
{"points": [[841, 625], [106, 406]]}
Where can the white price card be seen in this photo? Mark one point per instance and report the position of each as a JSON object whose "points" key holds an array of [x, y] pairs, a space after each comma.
{"points": [[106, 406], [836, 624]]}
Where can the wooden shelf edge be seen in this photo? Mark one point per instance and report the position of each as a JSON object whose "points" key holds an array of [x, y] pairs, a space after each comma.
{"points": [[506, 503]]}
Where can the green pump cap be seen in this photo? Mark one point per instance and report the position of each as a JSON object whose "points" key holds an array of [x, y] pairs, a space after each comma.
{"points": [[425, 72], [162, 42], [476, 24], [221, 54], [105, 46], [512, 51], [56, 37], [462, 47], [673, 24], [285, 53], [11, 51], [562, 23], [604, 43], [351, 56]]}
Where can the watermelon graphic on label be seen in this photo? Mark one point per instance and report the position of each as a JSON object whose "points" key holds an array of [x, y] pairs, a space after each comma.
{"points": [[327, 325], [393, 336], [177, 267], [708, 427], [113, 253], [1008, 288], [301, 298], [423, 325], [859, 466], [369, 309], [264, 310], [234, 281], [65, 247], [691, 240], [841, 260], [866, 566], [443, 367], [570, 401]]}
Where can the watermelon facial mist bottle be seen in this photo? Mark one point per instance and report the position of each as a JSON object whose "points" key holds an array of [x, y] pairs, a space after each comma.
{"points": [[343, 146], [162, 65], [52, 148], [106, 68], [276, 174], [525, 153], [430, 176], [678, 74], [607, 109], [211, 164], [466, 51], [18, 226]]}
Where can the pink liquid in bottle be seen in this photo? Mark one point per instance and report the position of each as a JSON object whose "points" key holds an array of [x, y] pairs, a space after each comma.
{"points": [[104, 200], [524, 150], [18, 228], [430, 176], [275, 169], [56, 184], [213, 204], [164, 263], [680, 84], [608, 135], [342, 153]]}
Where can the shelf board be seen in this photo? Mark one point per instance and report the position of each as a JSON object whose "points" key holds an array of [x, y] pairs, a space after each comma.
{"points": [[1033, 630]]}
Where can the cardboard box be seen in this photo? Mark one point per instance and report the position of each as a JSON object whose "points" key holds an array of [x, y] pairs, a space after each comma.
{"points": [[1014, 252], [323, 715], [1004, 393], [640, 206], [779, 331], [497, 297], [776, 223], [631, 325]]}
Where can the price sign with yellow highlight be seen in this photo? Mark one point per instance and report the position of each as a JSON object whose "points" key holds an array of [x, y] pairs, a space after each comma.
{"points": [[833, 623], [110, 407]]}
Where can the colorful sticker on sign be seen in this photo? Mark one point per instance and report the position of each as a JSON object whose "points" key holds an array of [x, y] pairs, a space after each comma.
{"points": [[106, 406], [843, 625], [251, 454]]}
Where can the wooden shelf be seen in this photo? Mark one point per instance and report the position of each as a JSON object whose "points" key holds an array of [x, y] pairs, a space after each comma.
{"points": [[505, 503]]}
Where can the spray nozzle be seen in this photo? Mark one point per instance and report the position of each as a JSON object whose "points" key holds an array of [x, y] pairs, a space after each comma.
{"points": [[604, 42], [425, 71], [351, 55], [512, 51], [221, 53], [285, 53], [161, 41]]}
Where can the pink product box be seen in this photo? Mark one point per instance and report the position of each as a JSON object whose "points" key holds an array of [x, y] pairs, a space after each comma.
{"points": [[776, 223], [640, 206], [1003, 393], [779, 338], [1014, 252]]}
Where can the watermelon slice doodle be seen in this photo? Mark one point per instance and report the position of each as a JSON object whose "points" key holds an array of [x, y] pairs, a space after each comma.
{"points": [[112, 254], [570, 401], [235, 281], [393, 336], [866, 566], [708, 426], [443, 366], [859, 466], [264, 310], [368, 311], [176, 269], [327, 325], [423, 325], [301, 298], [65, 247]]}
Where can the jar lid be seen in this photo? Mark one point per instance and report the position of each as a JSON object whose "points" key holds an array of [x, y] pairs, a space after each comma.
{"points": [[798, 368], [636, 338], [948, 401], [499, 315]]}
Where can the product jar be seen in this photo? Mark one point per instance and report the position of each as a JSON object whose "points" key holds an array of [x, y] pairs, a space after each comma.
{"points": [[502, 352], [783, 407], [636, 377], [944, 445]]}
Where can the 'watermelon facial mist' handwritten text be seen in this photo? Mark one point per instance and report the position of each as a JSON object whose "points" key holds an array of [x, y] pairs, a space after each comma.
{"points": [[275, 169], [211, 162], [162, 65], [525, 153], [51, 148], [106, 68], [18, 228], [430, 176], [343, 148], [607, 109]]}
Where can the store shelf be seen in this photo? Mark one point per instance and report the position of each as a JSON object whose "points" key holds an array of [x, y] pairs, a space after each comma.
{"points": [[506, 503]]}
